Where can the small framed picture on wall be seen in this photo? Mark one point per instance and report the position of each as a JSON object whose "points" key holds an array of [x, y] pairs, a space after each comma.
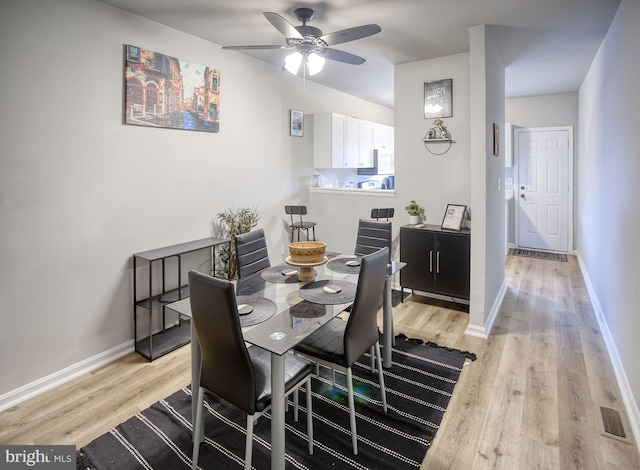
{"points": [[438, 99], [296, 120], [496, 139]]}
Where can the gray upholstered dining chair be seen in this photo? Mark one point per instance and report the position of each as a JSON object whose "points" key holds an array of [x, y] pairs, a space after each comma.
{"points": [[373, 235], [383, 213], [298, 223], [339, 343], [236, 373], [252, 255]]}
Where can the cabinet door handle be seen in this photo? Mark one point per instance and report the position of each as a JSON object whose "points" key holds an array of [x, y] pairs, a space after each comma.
{"points": [[431, 261], [438, 262]]}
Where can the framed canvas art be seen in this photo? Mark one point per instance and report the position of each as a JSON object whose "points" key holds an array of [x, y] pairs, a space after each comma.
{"points": [[438, 99], [163, 91]]}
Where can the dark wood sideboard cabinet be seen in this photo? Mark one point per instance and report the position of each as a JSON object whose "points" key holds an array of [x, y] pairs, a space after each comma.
{"points": [[438, 261]]}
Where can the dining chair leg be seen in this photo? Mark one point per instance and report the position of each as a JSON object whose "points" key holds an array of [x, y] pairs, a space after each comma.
{"points": [[373, 359], [309, 416], [383, 391], [295, 405], [248, 446], [198, 429], [352, 412]]}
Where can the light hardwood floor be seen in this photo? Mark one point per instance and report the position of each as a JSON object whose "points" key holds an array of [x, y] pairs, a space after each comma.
{"points": [[527, 402]]}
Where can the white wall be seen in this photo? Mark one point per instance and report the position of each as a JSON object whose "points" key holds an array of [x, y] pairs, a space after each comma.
{"points": [[608, 195], [540, 111], [543, 111], [80, 192], [437, 180], [433, 181], [487, 182]]}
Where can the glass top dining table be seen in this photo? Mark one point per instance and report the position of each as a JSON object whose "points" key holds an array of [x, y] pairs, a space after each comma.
{"points": [[292, 321]]}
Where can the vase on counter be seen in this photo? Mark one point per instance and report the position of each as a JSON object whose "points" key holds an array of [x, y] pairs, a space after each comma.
{"points": [[414, 219]]}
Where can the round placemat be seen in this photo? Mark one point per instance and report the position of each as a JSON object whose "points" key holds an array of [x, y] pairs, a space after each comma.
{"points": [[280, 273], [306, 309], [339, 265], [314, 292], [263, 309]]}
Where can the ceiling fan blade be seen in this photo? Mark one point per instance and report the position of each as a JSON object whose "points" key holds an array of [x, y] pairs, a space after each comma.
{"points": [[240, 48], [283, 25], [342, 56], [351, 34]]}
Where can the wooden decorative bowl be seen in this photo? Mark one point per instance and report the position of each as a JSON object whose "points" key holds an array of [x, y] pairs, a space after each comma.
{"points": [[307, 252]]}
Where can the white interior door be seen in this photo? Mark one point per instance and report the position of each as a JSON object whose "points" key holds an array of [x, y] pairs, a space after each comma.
{"points": [[544, 159]]}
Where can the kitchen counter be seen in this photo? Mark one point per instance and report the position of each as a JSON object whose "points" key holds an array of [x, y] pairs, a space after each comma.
{"points": [[354, 191], [336, 212]]}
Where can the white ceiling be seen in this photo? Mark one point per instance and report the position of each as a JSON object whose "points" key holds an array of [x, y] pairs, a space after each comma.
{"points": [[546, 45]]}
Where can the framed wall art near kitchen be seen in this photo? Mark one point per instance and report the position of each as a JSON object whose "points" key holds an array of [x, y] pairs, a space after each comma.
{"points": [[438, 99], [162, 91], [296, 120], [453, 217], [496, 139]]}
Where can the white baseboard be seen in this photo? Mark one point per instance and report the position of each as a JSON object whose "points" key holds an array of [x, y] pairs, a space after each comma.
{"points": [[483, 331], [49, 382], [628, 400]]}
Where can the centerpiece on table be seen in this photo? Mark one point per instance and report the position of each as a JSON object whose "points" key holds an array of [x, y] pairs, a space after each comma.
{"points": [[306, 255]]}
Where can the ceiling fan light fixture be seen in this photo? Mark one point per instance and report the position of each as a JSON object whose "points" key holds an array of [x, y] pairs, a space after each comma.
{"points": [[315, 63], [292, 62], [310, 44]]}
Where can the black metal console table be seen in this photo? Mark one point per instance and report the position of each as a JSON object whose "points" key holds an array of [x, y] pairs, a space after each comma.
{"points": [[170, 338]]}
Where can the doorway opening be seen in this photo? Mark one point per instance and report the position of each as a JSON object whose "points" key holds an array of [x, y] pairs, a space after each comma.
{"points": [[544, 188]]}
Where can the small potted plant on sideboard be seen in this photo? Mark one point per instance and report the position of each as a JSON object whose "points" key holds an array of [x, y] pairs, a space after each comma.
{"points": [[416, 212]]}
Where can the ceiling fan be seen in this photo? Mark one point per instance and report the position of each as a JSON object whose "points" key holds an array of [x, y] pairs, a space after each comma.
{"points": [[310, 44]]}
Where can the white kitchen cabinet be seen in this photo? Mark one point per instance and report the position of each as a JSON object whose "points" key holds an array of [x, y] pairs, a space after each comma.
{"points": [[351, 143], [329, 138], [365, 144], [339, 129], [342, 141], [383, 137]]}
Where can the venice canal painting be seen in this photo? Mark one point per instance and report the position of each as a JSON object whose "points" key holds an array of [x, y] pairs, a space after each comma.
{"points": [[162, 91]]}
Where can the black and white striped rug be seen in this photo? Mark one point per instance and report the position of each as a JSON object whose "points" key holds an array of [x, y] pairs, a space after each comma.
{"points": [[419, 386]]}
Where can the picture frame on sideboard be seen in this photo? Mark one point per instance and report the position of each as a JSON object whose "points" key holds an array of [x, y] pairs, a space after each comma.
{"points": [[453, 217]]}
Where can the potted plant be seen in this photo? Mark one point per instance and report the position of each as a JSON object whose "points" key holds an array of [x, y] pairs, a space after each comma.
{"points": [[233, 222], [416, 212]]}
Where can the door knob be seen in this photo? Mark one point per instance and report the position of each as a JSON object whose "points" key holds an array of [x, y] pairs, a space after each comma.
{"points": [[522, 196], [522, 187]]}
